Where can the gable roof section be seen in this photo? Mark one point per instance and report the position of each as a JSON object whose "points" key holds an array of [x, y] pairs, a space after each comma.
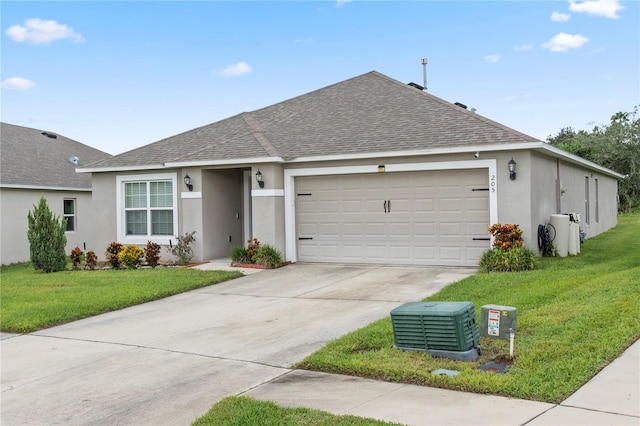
{"points": [[371, 113], [31, 159]]}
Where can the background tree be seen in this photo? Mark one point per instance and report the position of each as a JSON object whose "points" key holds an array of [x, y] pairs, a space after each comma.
{"points": [[47, 238], [616, 146]]}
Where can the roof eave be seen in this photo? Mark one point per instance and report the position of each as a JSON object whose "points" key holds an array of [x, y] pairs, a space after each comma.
{"points": [[45, 188]]}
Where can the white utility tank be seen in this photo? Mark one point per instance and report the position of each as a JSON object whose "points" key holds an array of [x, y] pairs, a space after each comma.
{"points": [[574, 238], [560, 223]]}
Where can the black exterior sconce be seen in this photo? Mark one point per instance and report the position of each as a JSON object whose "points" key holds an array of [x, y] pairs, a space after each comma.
{"points": [[259, 179], [512, 169], [187, 182]]}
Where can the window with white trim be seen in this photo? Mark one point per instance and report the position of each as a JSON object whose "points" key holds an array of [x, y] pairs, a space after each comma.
{"points": [[69, 213], [147, 207]]}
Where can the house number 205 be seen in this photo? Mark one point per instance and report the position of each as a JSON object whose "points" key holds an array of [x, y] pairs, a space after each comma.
{"points": [[493, 183]]}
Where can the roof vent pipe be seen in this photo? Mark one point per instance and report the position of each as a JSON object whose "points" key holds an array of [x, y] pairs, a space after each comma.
{"points": [[461, 105], [424, 73], [50, 135]]}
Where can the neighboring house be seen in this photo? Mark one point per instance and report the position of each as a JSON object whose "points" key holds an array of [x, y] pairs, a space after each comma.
{"points": [[368, 170], [36, 163]]}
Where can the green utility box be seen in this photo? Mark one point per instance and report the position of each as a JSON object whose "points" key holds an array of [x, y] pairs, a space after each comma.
{"points": [[440, 328], [497, 321]]}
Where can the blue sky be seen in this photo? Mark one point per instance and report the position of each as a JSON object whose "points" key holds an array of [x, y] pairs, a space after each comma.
{"points": [[118, 75]]}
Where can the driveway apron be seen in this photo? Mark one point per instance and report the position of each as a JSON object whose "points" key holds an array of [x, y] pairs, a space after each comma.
{"points": [[169, 361]]}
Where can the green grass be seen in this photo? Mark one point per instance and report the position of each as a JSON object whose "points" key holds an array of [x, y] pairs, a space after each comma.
{"points": [[575, 315], [243, 411], [34, 300]]}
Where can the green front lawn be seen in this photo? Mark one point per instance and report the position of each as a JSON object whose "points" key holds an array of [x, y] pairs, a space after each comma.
{"points": [[33, 300], [243, 411], [575, 315]]}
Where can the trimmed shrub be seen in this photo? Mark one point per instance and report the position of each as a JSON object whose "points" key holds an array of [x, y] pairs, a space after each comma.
{"points": [[76, 257], [183, 249], [112, 253], [130, 256], [268, 256], [152, 253], [91, 260], [514, 259], [47, 239]]}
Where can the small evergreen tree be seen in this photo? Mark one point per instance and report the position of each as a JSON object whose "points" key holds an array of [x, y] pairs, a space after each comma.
{"points": [[47, 238]]}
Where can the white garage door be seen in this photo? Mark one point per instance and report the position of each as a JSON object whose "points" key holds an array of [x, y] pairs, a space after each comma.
{"points": [[405, 218]]}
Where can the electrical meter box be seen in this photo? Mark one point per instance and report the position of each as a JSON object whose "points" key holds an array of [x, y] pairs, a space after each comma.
{"points": [[496, 321]]}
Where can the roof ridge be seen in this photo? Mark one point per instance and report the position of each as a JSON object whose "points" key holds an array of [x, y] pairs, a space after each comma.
{"points": [[258, 133]]}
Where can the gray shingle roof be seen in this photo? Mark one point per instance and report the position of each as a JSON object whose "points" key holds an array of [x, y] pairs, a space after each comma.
{"points": [[366, 114], [31, 158]]}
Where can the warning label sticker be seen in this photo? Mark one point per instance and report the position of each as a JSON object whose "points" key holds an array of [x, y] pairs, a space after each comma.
{"points": [[493, 323]]}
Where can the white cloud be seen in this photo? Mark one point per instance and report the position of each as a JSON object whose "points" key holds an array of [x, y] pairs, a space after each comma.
{"points": [[606, 8], [38, 31], [563, 42], [560, 17], [341, 3], [236, 70], [492, 59], [524, 47], [17, 83]]}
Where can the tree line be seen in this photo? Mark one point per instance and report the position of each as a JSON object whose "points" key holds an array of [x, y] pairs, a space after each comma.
{"points": [[616, 146]]}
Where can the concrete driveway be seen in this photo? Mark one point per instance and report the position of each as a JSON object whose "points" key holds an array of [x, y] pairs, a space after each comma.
{"points": [[167, 362]]}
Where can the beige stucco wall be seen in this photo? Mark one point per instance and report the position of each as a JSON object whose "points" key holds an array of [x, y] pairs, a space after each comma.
{"points": [[268, 210], [214, 209], [15, 205]]}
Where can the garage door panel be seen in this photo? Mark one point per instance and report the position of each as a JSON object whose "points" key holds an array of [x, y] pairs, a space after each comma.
{"points": [[450, 229], [424, 205], [353, 229], [375, 229], [449, 253], [450, 205], [433, 219], [424, 229]]}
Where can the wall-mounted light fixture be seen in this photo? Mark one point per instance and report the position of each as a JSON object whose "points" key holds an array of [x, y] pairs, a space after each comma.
{"points": [[512, 169], [259, 179], [187, 182]]}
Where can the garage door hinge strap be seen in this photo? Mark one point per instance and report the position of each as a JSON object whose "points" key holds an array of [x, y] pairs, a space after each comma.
{"points": [[482, 239], [301, 194], [305, 238], [480, 189]]}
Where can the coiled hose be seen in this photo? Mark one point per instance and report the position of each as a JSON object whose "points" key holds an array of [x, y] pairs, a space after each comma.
{"points": [[545, 239]]}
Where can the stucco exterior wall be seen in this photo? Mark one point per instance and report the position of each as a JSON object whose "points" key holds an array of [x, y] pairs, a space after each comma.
{"points": [[15, 205], [578, 194], [104, 211], [268, 207]]}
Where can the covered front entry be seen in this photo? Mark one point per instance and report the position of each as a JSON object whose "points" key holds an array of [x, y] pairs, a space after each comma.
{"points": [[433, 217]]}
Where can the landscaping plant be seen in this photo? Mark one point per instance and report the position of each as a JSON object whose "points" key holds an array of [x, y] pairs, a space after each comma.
{"points": [[239, 255], [131, 256], [76, 257], [91, 260], [112, 253], [267, 256], [152, 253], [509, 252], [47, 239], [183, 249]]}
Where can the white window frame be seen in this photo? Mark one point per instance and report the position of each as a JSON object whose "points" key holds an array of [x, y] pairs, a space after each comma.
{"points": [[74, 215], [121, 180]]}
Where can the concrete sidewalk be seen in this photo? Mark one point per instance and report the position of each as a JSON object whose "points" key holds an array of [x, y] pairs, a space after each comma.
{"points": [[611, 398]]}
